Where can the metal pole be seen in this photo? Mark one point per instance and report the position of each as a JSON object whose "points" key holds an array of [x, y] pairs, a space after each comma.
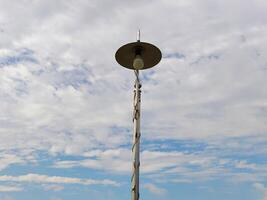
{"points": [[141, 55], [138, 37], [136, 138]]}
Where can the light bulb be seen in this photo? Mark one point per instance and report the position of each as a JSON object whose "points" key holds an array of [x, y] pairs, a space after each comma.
{"points": [[138, 62]]}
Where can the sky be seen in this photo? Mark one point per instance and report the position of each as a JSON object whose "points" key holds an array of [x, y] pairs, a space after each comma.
{"points": [[66, 105]]}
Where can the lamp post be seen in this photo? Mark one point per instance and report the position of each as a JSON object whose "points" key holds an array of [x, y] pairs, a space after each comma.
{"points": [[137, 56]]}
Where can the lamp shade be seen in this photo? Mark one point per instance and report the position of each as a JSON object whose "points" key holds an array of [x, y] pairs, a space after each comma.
{"points": [[150, 54]]}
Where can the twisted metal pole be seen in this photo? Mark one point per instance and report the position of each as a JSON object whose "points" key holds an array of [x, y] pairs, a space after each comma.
{"points": [[136, 138]]}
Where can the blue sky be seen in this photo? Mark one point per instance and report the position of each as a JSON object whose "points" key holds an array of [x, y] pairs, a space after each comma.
{"points": [[66, 105]]}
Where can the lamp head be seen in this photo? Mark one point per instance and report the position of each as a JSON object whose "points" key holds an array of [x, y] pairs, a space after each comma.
{"points": [[138, 55]]}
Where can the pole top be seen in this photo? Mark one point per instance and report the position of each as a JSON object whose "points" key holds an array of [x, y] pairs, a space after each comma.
{"points": [[138, 35]]}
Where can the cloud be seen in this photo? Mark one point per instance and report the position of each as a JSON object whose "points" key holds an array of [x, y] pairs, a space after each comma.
{"points": [[9, 159], [262, 189], [40, 96], [155, 189], [53, 187], [62, 92], [38, 178], [172, 166], [244, 165], [113, 160], [4, 188], [118, 161], [7, 198]]}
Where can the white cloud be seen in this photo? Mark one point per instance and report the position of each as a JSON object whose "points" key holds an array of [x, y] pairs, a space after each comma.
{"points": [[262, 189], [113, 160], [171, 166], [62, 92], [4, 188], [119, 161], [206, 98], [38, 178], [6, 197], [155, 189], [53, 187], [244, 165], [9, 159]]}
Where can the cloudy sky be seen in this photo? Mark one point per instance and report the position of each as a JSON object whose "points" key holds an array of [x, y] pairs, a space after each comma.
{"points": [[66, 105]]}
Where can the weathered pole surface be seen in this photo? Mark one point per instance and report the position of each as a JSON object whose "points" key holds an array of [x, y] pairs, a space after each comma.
{"points": [[136, 138]]}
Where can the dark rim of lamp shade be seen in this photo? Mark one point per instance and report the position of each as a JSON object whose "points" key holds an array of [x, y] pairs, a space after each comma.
{"points": [[150, 54]]}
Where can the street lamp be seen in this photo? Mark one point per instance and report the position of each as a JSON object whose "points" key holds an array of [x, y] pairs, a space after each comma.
{"points": [[137, 56]]}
